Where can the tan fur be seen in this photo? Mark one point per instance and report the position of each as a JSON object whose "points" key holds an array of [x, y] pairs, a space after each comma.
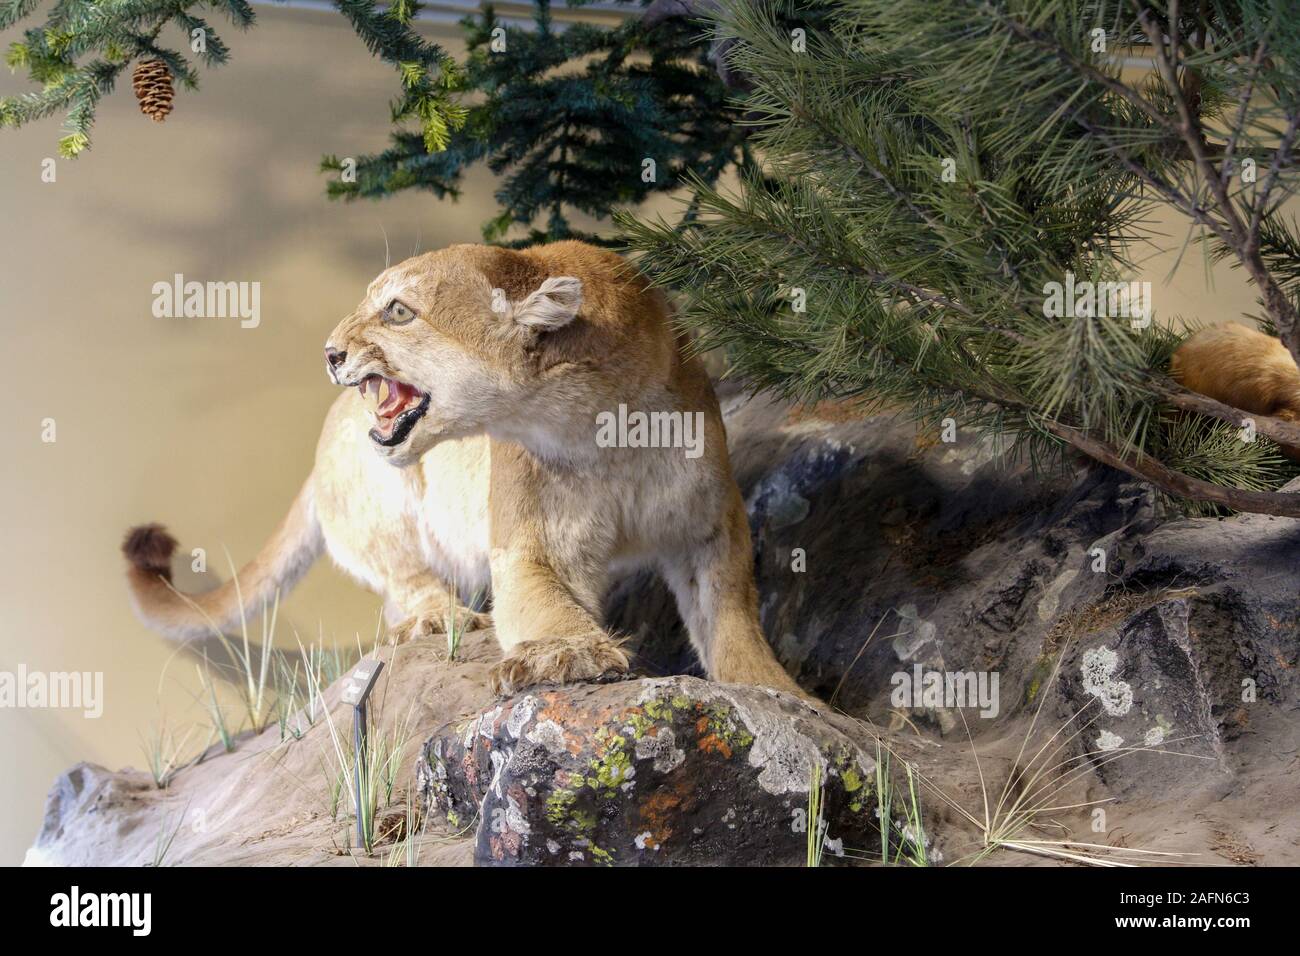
{"points": [[502, 482], [1243, 368]]}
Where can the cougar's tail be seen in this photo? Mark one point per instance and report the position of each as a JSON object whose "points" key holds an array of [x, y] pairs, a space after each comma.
{"points": [[296, 543]]}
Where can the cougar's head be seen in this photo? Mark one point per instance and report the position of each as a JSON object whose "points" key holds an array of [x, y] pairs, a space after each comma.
{"points": [[446, 345]]}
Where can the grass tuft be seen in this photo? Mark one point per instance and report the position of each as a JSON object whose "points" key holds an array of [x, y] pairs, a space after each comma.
{"points": [[162, 751], [816, 825]]}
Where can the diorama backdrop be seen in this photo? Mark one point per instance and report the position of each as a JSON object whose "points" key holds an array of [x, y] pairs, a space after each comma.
{"points": [[200, 423]]}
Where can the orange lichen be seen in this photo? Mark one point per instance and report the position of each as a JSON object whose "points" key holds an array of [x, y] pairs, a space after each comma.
{"points": [[658, 812], [715, 744]]}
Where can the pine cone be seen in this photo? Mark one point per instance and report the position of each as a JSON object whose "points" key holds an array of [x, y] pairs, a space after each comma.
{"points": [[152, 82]]}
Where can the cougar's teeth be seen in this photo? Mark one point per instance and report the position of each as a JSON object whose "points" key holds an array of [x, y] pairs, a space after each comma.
{"points": [[367, 388], [384, 390]]}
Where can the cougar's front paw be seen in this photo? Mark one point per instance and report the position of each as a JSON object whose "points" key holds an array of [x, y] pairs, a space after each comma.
{"points": [[558, 660], [435, 623]]}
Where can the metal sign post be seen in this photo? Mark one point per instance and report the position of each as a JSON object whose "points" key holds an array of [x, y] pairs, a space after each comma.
{"points": [[356, 691]]}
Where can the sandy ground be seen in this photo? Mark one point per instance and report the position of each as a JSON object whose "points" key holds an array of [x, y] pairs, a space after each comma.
{"points": [[1247, 818], [269, 801]]}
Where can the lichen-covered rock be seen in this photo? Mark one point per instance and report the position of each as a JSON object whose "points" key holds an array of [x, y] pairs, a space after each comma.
{"points": [[879, 551], [666, 771], [1203, 655], [1138, 689]]}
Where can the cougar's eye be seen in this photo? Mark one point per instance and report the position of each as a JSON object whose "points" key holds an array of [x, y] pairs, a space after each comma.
{"points": [[398, 314]]}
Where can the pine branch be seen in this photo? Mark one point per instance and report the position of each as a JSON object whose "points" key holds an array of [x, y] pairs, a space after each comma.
{"points": [[1176, 483], [924, 291], [1278, 429], [1243, 238]]}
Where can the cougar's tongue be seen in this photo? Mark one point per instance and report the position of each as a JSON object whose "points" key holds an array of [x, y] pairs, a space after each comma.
{"points": [[389, 397], [400, 395]]}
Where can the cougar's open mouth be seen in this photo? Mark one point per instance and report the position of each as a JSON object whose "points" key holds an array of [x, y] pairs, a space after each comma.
{"points": [[396, 406]]}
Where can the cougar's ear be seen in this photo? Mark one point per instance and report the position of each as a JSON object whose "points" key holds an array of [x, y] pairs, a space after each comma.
{"points": [[553, 305]]}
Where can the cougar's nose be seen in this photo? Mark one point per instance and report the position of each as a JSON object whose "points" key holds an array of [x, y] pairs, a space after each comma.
{"points": [[333, 357]]}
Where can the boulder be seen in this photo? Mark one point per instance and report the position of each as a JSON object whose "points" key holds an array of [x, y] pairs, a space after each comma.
{"points": [[669, 771], [1200, 656], [879, 551]]}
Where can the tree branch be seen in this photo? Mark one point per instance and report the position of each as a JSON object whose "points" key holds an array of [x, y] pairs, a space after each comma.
{"points": [[1176, 483], [1243, 104], [1278, 429], [1085, 70], [1274, 169], [1244, 238]]}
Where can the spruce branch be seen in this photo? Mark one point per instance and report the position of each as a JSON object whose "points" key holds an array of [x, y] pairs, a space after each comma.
{"points": [[566, 120], [564, 115], [84, 45]]}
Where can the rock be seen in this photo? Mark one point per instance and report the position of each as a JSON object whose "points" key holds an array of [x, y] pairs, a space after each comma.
{"points": [[1139, 686], [1206, 642], [878, 551], [93, 803], [271, 800], [669, 771]]}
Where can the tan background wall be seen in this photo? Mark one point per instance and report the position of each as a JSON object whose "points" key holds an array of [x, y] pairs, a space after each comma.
{"points": [[196, 422]]}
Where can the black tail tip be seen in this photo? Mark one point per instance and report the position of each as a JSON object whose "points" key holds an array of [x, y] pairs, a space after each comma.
{"points": [[149, 548]]}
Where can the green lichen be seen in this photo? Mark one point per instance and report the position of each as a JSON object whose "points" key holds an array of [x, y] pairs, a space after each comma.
{"points": [[563, 813], [722, 724], [558, 805], [852, 781], [613, 769], [659, 709], [1042, 671], [640, 724], [844, 760]]}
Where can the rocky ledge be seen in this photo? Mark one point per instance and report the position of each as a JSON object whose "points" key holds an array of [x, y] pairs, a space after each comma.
{"points": [[1165, 647]]}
